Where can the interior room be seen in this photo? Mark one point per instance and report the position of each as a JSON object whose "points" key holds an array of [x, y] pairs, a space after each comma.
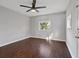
{"points": [[39, 28]]}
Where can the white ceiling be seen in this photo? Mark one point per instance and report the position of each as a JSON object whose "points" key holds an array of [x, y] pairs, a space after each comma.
{"points": [[53, 6]]}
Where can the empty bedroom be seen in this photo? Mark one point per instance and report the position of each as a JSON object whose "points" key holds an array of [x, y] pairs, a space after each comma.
{"points": [[39, 28]]}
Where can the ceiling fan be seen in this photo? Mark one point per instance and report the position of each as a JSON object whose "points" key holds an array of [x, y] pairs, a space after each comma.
{"points": [[33, 8]]}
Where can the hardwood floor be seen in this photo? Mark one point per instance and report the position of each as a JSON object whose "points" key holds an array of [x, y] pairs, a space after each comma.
{"points": [[35, 48]]}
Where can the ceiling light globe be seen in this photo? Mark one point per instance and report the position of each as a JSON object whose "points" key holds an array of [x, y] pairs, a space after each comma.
{"points": [[33, 10]]}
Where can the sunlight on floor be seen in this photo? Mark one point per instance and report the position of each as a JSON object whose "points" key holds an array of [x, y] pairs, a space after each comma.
{"points": [[45, 50]]}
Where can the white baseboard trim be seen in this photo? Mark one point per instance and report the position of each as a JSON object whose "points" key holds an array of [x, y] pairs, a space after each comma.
{"points": [[59, 40], [13, 41], [50, 39], [70, 50]]}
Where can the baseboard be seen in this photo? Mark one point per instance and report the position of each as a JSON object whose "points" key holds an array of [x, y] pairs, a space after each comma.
{"points": [[50, 39], [59, 40], [70, 51], [13, 41]]}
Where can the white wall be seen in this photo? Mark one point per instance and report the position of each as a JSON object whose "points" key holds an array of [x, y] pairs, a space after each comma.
{"points": [[78, 48], [78, 27], [57, 29], [13, 26], [71, 33]]}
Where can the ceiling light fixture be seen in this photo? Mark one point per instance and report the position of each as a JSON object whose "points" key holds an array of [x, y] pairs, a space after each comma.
{"points": [[33, 10]]}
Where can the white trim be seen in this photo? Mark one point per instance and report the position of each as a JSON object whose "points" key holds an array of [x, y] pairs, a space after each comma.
{"points": [[50, 39], [59, 40], [70, 51], [13, 41]]}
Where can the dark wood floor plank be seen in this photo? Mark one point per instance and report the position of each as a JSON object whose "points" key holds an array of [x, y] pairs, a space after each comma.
{"points": [[35, 48]]}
